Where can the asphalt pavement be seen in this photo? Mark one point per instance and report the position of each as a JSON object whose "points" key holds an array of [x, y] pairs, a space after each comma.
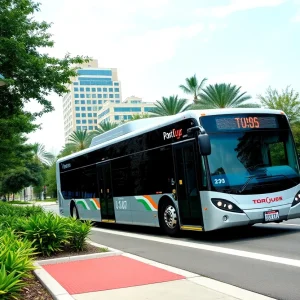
{"points": [[264, 258]]}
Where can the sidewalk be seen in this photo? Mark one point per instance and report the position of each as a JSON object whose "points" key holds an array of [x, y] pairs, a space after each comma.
{"points": [[116, 275]]}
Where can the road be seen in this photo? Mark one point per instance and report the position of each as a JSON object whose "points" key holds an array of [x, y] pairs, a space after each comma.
{"points": [[264, 258]]}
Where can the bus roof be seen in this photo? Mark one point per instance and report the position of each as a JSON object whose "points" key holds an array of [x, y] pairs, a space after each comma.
{"points": [[141, 126]]}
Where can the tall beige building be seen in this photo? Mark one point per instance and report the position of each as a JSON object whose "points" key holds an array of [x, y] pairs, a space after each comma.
{"points": [[89, 91], [123, 111]]}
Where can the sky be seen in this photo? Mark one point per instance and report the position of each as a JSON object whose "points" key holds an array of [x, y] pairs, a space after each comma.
{"points": [[156, 44]]}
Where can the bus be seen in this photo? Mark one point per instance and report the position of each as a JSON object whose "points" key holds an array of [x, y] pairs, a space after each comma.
{"points": [[198, 170]]}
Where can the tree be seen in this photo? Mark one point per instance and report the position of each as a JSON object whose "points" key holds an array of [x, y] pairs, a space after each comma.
{"points": [[193, 87], [79, 140], [105, 126], [287, 101], [169, 106], [223, 96], [41, 155], [139, 116], [29, 74]]}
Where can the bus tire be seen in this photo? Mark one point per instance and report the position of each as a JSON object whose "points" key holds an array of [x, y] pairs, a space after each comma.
{"points": [[168, 218], [74, 211]]}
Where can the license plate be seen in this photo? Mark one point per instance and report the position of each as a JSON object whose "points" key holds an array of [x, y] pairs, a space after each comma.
{"points": [[271, 216]]}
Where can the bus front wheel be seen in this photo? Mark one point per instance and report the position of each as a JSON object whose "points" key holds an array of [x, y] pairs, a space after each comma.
{"points": [[168, 219]]}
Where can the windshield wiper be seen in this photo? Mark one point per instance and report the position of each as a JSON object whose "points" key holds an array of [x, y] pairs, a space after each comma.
{"points": [[248, 181]]}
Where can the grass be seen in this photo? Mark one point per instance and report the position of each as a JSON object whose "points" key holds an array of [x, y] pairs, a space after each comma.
{"points": [[103, 249], [47, 200], [19, 202]]}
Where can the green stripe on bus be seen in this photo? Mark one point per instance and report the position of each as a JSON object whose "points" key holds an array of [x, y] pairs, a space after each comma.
{"points": [[144, 203], [82, 203], [94, 205]]}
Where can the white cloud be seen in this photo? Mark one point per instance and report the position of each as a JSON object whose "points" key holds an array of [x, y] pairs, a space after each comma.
{"points": [[236, 5], [296, 18]]}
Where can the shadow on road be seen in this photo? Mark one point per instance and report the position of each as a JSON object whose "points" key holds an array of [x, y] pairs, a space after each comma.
{"points": [[219, 236]]}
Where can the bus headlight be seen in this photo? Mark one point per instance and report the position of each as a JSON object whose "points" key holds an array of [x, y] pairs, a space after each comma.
{"points": [[226, 205], [296, 199]]}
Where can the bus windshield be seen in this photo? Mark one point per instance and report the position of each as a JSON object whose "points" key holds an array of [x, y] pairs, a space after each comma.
{"points": [[252, 162]]}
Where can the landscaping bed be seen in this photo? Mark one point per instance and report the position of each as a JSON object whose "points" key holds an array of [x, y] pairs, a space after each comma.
{"points": [[28, 234]]}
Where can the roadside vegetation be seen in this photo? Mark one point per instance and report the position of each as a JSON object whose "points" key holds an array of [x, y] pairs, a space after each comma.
{"points": [[28, 233]]}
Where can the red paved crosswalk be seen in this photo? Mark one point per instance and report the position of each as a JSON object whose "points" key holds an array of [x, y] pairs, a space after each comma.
{"points": [[106, 273]]}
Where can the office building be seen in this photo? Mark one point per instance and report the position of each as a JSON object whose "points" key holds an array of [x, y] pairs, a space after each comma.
{"points": [[123, 111], [89, 91]]}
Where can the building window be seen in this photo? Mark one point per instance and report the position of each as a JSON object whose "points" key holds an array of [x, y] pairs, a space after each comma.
{"points": [[76, 101], [94, 72], [78, 127], [111, 96], [77, 108], [99, 101], [83, 121], [77, 115], [90, 115], [117, 96], [90, 121], [95, 121], [82, 96], [94, 108], [81, 89], [96, 127], [88, 95], [94, 101], [83, 115], [104, 95], [77, 121], [75, 89], [148, 109], [98, 89], [82, 101], [93, 89], [117, 118], [110, 90], [117, 101], [84, 128], [117, 90], [127, 109], [76, 95], [116, 83], [104, 89], [90, 127], [88, 101], [99, 95], [95, 115], [88, 89], [89, 108], [75, 83], [93, 95], [82, 108]]}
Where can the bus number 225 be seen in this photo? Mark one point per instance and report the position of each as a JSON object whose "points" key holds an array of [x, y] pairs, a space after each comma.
{"points": [[121, 204]]}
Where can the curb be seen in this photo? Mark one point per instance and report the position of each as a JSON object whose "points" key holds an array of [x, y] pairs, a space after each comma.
{"points": [[59, 293]]}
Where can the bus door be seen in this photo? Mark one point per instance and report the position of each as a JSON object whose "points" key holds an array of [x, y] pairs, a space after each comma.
{"points": [[105, 192], [187, 187]]}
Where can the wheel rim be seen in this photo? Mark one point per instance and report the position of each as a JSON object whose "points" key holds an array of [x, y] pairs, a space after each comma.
{"points": [[74, 212], [170, 216]]}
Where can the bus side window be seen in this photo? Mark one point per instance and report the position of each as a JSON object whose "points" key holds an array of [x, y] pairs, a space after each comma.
{"points": [[203, 173]]}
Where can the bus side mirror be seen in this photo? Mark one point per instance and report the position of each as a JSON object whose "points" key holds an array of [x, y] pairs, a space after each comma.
{"points": [[204, 144]]}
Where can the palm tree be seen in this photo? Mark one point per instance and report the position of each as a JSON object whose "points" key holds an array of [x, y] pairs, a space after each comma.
{"points": [[105, 126], [139, 116], [79, 140], [193, 87], [223, 96], [40, 155], [169, 106]]}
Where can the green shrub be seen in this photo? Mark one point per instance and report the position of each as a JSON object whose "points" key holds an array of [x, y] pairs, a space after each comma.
{"points": [[47, 231], [79, 232], [10, 284], [19, 211]]}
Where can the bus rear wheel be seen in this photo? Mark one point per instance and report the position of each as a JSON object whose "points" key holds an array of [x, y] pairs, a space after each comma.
{"points": [[168, 219], [74, 212]]}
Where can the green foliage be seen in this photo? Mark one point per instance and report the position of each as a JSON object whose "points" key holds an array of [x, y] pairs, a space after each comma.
{"points": [[48, 233], [17, 211], [41, 156], [169, 106], [79, 140], [223, 96], [79, 232], [287, 101], [51, 181], [105, 126], [193, 87], [16, 263], [296, 134]]}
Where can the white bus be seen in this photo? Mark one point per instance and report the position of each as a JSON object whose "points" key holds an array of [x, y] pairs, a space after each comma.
{"points": [[197, 170]]}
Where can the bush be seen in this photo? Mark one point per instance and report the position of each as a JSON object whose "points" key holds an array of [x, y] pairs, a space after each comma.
{"points": [[78, 233], [19, 211], [48, 233], [16, 263]]}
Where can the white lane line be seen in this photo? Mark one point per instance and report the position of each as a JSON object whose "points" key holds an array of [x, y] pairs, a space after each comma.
{"points": [[240, 253]]}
